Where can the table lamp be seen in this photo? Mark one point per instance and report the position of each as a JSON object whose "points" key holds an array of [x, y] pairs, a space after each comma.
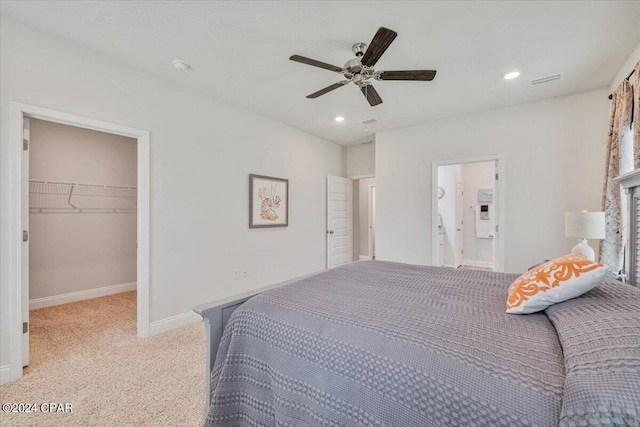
{"points": [[584, 225]]}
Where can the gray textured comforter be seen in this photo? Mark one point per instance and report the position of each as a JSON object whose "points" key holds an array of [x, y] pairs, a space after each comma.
{"points": [[386, 344]]}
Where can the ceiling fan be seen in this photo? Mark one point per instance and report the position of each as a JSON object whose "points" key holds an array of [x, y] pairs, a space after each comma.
{"points": [[360, 71]]}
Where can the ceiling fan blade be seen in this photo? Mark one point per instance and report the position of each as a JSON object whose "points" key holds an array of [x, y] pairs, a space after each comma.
{"points": [[381, 41], [327, 89], [421, 75], [315, 63], [371, 94]]}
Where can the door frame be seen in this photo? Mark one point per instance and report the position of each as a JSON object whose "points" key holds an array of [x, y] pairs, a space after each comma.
{"points": [[14, 214], [499, 198], [371, 214], [458, 255], [358, 178]]}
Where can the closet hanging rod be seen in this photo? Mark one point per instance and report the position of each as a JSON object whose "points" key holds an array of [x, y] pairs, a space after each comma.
{"points": [[628, 77], [79, 211], [121, 187], [45, 194]]}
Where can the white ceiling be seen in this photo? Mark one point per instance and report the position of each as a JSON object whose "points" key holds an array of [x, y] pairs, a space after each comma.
{"points": [[239, 51]]}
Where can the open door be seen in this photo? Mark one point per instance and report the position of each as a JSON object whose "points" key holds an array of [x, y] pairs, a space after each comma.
{"points": [[25, 240], [339, 221]]}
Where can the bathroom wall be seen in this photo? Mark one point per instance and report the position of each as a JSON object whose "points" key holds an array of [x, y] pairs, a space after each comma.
{"points": [[477, 251]]}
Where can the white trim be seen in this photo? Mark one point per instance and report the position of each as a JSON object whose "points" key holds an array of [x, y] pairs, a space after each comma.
{"points": [[103, 291], [629, 179], [14, 210], [5, 374], [370, 230], [499, 199], [14, 249], [173, 322], [142, 227], [364, 257], [365, 176], [476, 263], [351, 227]]}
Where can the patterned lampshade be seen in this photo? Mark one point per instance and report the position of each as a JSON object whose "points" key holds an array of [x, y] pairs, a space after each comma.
{"points": [[584, 225]]}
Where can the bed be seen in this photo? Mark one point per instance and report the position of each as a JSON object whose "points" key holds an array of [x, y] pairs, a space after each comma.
{"points": [[386, 344]]}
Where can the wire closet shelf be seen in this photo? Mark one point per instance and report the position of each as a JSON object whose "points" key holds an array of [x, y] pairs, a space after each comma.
{"points": [[70, 197]]}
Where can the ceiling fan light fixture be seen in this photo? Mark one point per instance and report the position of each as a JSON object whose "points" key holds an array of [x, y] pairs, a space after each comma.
{"points": [[510, 75], [359, 49]]}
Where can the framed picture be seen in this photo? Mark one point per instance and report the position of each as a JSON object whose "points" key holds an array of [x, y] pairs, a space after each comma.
{"points": [[268, 201]]}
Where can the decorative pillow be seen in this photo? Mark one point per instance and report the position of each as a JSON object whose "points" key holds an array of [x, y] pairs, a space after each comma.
{"points": [[552, 282]]}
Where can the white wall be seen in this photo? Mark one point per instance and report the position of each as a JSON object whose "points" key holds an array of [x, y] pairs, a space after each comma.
{"points": [[71, 252], [554, 158], [202, 152], [476, 176], [361, 160]]}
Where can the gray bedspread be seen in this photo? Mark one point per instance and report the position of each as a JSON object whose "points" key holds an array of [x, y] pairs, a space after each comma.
{"points": [[385, 344]]}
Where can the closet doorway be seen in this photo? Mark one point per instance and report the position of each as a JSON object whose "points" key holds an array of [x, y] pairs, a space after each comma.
{"points": [[467, 213], [81, 211], [82, 218]]}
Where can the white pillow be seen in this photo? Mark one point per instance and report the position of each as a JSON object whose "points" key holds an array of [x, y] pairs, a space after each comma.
{"points": [[552, 282]]}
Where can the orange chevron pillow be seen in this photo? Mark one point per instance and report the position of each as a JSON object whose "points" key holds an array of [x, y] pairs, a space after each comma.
{"points": [[552, 282]]}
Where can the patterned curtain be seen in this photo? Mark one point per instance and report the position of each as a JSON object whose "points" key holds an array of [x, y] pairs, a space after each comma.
{"points": [[636, 116], [612, 247]]}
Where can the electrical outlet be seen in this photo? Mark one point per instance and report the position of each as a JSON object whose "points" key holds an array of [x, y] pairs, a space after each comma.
{"points": [[236, 274], [245, 273]]}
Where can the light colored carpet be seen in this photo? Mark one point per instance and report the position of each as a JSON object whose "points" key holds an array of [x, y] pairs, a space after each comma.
{"points": [[87, 353]]}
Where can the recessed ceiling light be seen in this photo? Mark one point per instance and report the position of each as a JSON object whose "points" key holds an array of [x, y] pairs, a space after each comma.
{"points": [[181, 65], [511, 75], [339, 119]]}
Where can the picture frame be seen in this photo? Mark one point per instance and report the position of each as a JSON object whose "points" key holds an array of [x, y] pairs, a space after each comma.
{"points": [[268, 201]]}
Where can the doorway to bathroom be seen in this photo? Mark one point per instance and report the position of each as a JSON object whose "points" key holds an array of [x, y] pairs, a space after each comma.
{"points": [[364, 218], [467, 215]]}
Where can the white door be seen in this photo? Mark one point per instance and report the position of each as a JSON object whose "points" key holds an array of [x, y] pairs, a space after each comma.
{"points": [[372, 225], [459, 237], [339, 221], [25, 242]]}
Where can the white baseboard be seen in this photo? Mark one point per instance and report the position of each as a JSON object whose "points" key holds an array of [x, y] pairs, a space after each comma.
{"points": [[80, 295], [475, 263], [5, 374], [363, 258], [164, 325]]}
